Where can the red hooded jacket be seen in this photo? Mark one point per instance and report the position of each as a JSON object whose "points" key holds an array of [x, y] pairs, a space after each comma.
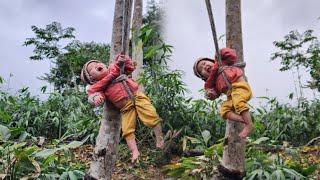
{"points": [[215, 81], [115, 92]]}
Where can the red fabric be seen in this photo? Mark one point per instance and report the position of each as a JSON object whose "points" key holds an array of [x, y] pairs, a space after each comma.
{"points": [[128, 63], [211, 94], [112, 73], [115, 92], [228, 57]]}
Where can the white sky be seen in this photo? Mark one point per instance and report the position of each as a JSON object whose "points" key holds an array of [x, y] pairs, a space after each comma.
{"points": [[186, 28]]}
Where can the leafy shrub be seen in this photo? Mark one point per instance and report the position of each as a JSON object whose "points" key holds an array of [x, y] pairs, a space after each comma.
{"points": [[58, 116], [284, 122], [28, 161]]}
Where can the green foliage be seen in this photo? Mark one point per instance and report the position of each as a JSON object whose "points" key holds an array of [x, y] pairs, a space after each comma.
{"points": [[27, 161], [260, 164], [68, 59], [26, 117], [153, 16], [1, 80], [199, 167], [300, 169], [47, 39], [201, 143], [263, 165], [66, 74], [300, 50], [283, 122], [61, 116], [4, 133]]}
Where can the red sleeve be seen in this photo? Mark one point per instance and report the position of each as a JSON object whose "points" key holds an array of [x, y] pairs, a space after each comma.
{"points": [[211, 94], [210, 82], [129, 66], [113, 72], [228, 55]]}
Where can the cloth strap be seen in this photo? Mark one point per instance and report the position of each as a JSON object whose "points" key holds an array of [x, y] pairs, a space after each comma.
{"points": [[123, 79]]}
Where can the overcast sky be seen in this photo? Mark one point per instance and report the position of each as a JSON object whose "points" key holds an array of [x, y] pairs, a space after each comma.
{"points": [[186, 28]]}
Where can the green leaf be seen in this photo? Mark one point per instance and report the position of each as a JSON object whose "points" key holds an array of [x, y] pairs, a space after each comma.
{"points": [[4, 116], [278, 175], [72, 176], [49, 159], [266, 174], [75, 144], [78, 173], [151, 52], [209, 152], [291, 96], [4, 133], [262, 139], [148, 33], [51, 176], [184, 143], [254, 173], [16, 131], [11, 100], [219, 148], [64, 176], [309, 170], [206, 136], [43, 89], [294, 173], [45, 153], [193, 140], [177, 173], [17, 146], [23, 136]]}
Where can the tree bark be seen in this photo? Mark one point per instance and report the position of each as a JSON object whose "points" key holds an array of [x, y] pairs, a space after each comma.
{"points": [[137, 51], [105, 152], [233, 160]]}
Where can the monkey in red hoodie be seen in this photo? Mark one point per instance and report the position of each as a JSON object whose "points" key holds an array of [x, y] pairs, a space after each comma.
{"points": [[104, 87], [235, 108]]}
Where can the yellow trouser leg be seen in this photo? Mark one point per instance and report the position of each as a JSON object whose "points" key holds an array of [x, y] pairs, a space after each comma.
{"points": [[128, 121]]}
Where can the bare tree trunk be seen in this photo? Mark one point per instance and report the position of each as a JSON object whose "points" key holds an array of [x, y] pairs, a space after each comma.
{"points": [[105, 152], [233, 160], [137, 52]]}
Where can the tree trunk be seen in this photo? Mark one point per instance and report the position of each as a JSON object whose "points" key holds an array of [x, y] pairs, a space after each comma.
{"points": [[137, 52], [105, 152], [233, 160]]}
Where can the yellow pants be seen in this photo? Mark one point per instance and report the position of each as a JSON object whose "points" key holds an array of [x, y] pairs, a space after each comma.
{"points": [[237, 100], [143, 109]]}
